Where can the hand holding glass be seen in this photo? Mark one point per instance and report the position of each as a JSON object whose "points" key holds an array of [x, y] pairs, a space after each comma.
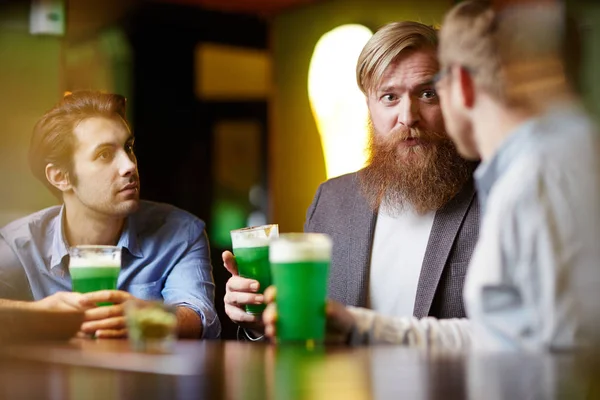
{"points": [[251, 250], [94, 268]]}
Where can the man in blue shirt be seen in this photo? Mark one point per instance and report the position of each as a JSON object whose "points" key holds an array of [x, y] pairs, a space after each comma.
{"points": [[82, 150]]}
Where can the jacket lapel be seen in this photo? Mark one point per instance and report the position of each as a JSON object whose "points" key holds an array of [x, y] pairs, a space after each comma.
{"points": [[361, 224], [446, 224]]}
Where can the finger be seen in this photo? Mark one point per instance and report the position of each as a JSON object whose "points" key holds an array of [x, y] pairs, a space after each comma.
{"points": [[104, 312], [72, 300], [239, 315], [109, 323], [270, 327], [270, 294], [270, 314], [241, 298], [330, 308], [338, 317], [229, 262], [239, 284], [111, 333], [82, 335], [107, 296], [270, 331], [269, 319]]}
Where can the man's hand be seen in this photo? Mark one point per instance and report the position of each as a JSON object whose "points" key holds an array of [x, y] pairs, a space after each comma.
{"points": [[106, 321], [239, 292], [339, 320], [62, 301]]}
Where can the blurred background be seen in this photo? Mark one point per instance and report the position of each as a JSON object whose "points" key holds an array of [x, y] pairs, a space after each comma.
{"points": [[240, 108]]}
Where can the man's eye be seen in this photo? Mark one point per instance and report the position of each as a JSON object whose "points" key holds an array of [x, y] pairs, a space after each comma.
{"points": [[389, 98], [429, 94], [129, 148], [105, 155]]}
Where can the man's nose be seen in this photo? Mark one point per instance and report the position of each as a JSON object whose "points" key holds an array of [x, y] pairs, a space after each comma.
{"points": [[408, 114], [127, 165]]}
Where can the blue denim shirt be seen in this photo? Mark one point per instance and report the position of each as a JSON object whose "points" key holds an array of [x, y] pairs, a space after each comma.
{"points": [[165, 257]]}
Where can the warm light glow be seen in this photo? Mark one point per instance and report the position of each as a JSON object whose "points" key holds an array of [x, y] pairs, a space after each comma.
{"points": [[338, 105]]}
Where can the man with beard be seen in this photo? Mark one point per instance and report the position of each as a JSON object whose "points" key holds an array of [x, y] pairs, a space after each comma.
{"points": [[82, 150], [534, 276], [404, 227]]}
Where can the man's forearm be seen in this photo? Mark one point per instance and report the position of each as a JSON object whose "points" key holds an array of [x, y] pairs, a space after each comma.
{"points": [[447, 334], [16, 304], [189, 323]]}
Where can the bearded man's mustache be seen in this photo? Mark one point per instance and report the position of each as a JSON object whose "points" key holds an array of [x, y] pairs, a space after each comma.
{"points": [[424, 176]]}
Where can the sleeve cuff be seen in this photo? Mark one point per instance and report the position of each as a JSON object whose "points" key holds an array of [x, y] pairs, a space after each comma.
{"points": [[210, 329]]}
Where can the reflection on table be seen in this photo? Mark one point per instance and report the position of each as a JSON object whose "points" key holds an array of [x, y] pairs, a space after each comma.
{"points": [[108, 369]]}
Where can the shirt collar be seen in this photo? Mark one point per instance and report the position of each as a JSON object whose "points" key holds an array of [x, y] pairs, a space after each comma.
{"points": [[128, 239], [488, 172]]}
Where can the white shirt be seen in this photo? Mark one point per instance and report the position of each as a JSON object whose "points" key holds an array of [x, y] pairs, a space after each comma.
{"points": [[399, 245], [533, 282]]}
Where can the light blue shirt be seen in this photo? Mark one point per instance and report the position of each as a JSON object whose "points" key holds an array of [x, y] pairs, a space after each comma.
{"points": [[165, 256], [534, 277]]}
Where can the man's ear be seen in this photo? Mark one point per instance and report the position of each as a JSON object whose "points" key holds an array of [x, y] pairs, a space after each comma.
{"points": [[467, 87], [58, 177]]}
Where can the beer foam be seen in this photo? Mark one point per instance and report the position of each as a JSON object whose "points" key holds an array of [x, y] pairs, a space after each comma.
{"points": [[96, 261], [316, 247], [253, 237]]}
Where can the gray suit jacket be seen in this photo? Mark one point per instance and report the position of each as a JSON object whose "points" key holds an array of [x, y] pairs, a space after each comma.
{"points": [[341, 211]]}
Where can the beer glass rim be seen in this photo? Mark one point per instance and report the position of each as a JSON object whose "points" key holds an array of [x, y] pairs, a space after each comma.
{"points": [[253, 228], [304, 237], [95, 246], [296, 247], [86, 247]]}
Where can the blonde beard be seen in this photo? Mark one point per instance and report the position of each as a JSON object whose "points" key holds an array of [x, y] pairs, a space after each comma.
{"points": [[425, 176]]}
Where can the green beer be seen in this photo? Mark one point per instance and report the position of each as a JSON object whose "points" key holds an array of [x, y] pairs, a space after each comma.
{"points": [[90, 279], [94, 268], [251, 250], [300, 266]]}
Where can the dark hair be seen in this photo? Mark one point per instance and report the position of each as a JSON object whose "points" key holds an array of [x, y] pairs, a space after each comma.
{"points": [[52, 139]]}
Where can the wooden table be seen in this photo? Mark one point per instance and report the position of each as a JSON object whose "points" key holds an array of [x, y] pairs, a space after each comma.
{"points": [[108, 369]]}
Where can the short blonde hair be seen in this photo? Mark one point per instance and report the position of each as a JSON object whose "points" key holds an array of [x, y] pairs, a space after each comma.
{"points": [[386, 45], [468, 38], [515, 56]]}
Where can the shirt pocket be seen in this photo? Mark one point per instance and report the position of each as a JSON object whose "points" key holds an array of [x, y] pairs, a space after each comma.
{"points": [[458, 269], [146, 291]]}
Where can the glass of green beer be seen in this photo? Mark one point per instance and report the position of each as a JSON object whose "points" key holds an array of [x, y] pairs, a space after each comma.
{"points": [[251, 250], [300, 267], [94, 268], [151, 325]]}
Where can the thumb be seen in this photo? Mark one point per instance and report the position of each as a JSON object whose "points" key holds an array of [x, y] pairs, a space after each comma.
{"points": [[229, 262], [338, 317]]}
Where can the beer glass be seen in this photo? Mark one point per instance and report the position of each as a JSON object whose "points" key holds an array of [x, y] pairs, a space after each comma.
{"points": [[300, 266], [94, 268], [251, 250], [151, 325]]}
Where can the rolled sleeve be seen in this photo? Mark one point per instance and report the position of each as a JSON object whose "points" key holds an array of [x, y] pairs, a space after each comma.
{"points": [[190, 283]]}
